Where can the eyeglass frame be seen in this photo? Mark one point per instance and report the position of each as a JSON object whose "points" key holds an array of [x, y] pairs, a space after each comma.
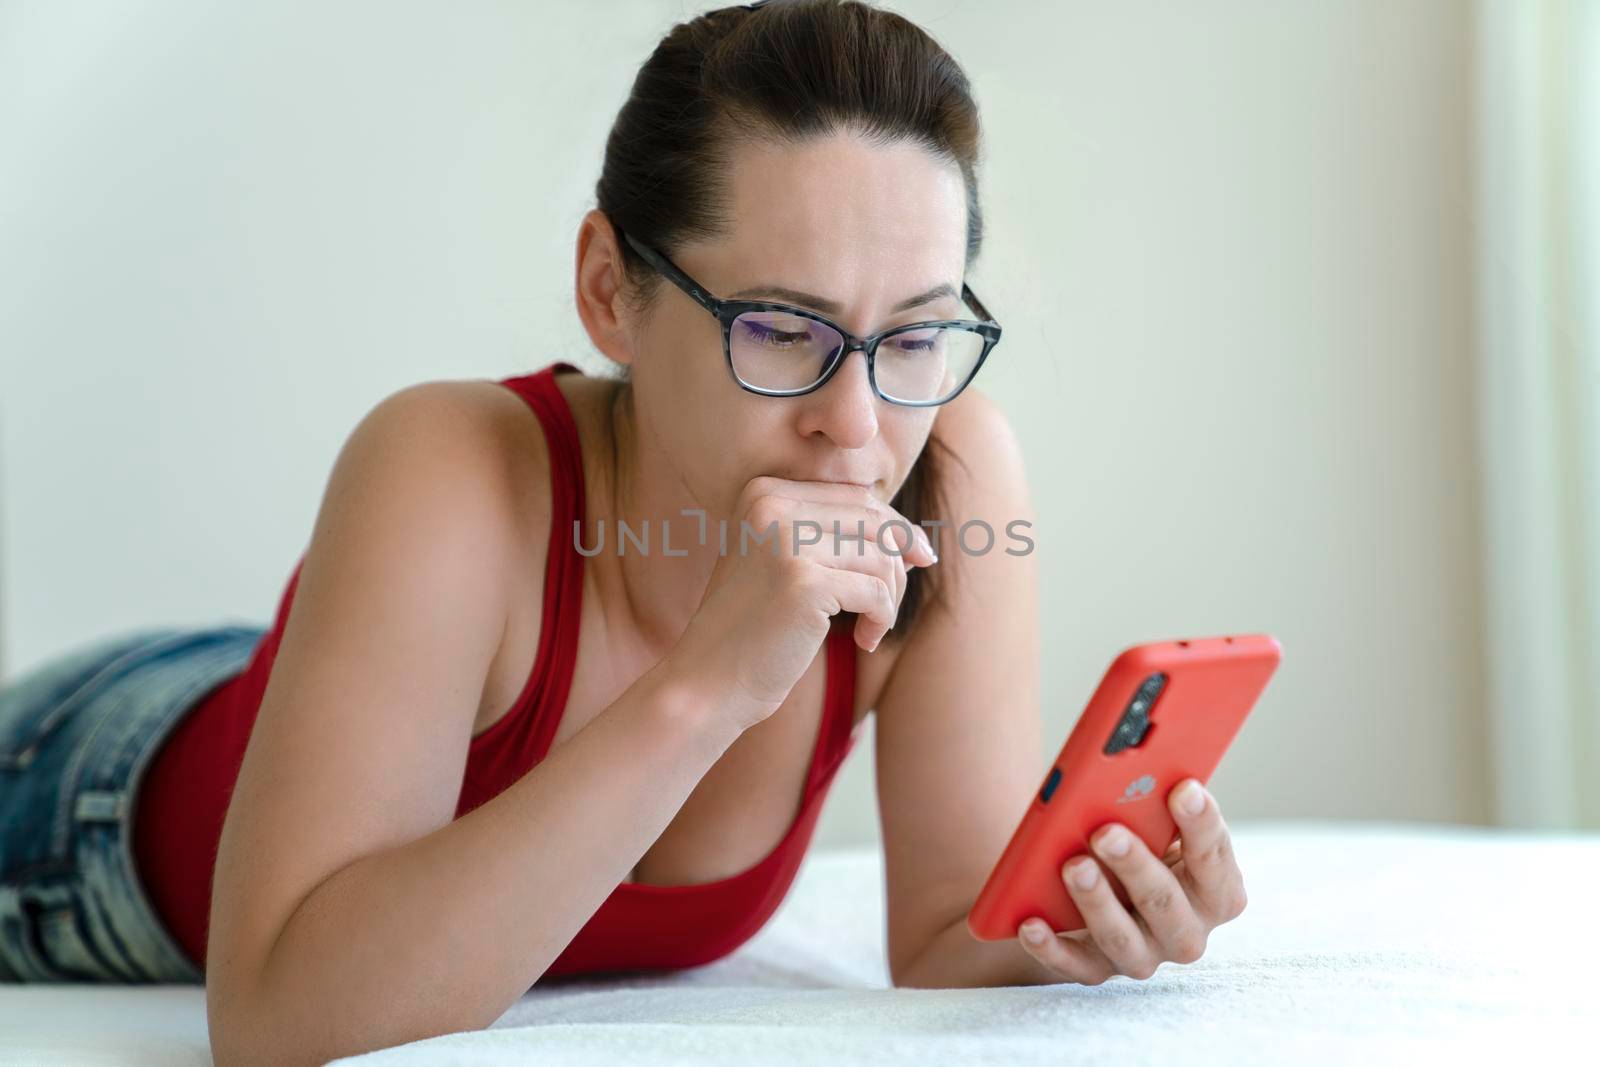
{"points": [[726, 311]]}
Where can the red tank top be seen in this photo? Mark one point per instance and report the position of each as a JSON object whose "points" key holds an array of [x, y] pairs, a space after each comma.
{"points": [[184, 795]]}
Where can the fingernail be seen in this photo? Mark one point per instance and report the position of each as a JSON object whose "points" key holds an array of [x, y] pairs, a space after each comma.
{"points": [[1115, 842], [1192, 797], [1083, 874], [1035, 931]]}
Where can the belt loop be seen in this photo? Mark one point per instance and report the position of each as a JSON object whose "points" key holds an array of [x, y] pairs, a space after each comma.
{"points": [[99, 806]]}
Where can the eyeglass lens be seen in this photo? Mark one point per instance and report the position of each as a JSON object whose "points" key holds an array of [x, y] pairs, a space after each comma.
{"points": [[780, 351]]}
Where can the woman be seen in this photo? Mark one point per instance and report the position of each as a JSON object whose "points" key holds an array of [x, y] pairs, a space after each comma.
{"points": [[534, 702]]}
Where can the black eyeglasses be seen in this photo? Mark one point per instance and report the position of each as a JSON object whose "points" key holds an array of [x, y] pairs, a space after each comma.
{"points": [[783, 350]]}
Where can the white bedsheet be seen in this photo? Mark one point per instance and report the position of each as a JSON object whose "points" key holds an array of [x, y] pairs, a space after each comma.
{"points": [[1362, 942]]}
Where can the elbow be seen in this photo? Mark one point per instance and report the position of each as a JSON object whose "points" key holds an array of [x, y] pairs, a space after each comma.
{"points": [[237, 1043], [903, 971], [243, 1028], [238, 1038], [906, 978]]}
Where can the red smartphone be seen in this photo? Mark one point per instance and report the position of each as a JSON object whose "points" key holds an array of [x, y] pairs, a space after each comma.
{"points": [[1164, 711]]}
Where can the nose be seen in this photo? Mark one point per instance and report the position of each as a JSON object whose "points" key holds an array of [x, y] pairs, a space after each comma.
{"points": [[844, 409]]}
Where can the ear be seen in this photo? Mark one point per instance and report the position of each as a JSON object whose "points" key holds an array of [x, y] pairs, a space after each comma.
{"points": [[599, 287]]}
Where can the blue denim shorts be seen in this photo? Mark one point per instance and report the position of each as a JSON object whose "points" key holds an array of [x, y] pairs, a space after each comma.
{"points": [[76, 734]]}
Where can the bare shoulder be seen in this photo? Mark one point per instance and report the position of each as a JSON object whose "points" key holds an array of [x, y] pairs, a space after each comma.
{"points": [[489, 443], [440, 457], [486, 427]]}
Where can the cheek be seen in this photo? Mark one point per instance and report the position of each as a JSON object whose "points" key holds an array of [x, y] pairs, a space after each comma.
{"points": [[734, 445], [906, 439]]}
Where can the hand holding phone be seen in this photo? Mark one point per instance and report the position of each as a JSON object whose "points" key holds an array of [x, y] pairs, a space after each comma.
{"points": [[1163, 712]]}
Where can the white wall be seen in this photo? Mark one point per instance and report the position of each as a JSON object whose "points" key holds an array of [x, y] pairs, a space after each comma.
{"points": [[1229, 242]]}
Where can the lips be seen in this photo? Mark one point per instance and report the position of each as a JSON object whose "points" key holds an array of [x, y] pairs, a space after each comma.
{"points": [[865, 483]]}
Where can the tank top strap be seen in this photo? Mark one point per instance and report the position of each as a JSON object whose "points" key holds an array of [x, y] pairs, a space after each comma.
{"points": [[539, 389], [840, 704], [556, 658]]}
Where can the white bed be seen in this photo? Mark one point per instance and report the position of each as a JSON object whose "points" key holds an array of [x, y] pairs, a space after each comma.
{"points": [[1362, 942]]}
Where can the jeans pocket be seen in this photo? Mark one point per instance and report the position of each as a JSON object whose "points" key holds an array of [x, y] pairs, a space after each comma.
{"points": [[33, 706], [46, 940]]}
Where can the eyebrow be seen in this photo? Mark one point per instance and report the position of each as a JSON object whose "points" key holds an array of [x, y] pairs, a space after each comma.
{"points": [[832, 307]]}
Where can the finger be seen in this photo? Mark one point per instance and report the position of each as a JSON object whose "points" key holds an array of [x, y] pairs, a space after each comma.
{"points": [[888, 570], [1154, 891], [1174, 853], [890, 565], [892, 574], [891, 527], [847, 537], [895, 536], [865, 594], [834, 551], [912, 539], [1075, 960], [880, 518], [1210, 869], [1115, 931]]}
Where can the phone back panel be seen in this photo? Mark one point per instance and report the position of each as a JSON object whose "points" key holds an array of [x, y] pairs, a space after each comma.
{"points": [[1212, 683]]}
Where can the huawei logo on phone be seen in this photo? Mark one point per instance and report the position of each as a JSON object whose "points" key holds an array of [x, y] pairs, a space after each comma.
{"points": [[1138, 789]]}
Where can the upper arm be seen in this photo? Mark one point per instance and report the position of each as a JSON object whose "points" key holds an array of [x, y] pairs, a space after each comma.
{"points": [[361, 737], [958, 732]]}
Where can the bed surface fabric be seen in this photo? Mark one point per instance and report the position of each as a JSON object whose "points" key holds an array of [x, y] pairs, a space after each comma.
{"points": [[1374, 942]]}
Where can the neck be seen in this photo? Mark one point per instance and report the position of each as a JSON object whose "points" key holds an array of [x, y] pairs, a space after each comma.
{"points": [[655, 594]]}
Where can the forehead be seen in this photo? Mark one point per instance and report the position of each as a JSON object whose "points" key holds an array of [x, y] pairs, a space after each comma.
{"points": [[838, 211]]}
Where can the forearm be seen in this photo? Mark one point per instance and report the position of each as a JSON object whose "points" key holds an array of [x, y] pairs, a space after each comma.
{"points": [[954, 959], [444, 933]]}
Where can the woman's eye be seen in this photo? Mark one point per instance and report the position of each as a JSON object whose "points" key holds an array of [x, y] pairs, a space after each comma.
{"points": [[909, 343], [770, 336]]}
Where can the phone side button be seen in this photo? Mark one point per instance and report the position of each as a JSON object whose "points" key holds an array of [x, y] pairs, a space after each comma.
{"points": [[1050, 784]]}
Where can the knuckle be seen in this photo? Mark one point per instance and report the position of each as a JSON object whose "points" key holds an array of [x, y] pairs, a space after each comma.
{"points": [[799, 573], [894, 579], [754, 490], [1143, 970], [1217, 854], [1159, 901], [1188, 948], [1116, 943], [1236, 904], [763, 510], [888, 541], [894, 535]]}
